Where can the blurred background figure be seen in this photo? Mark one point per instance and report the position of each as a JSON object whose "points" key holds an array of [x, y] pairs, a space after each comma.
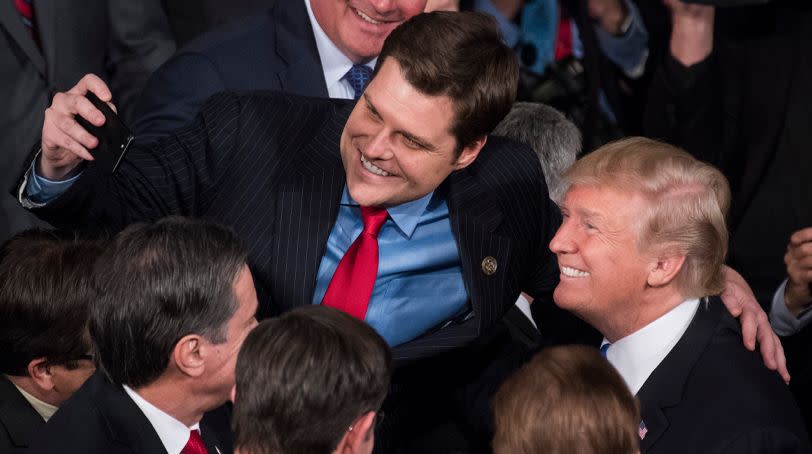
{"points": [[310, 381], [46, 46], [45, 353], [554, 138], [588, 59], [566, 399]]}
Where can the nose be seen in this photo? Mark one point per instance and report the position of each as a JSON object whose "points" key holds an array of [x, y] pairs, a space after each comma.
{"points": [[562, 242], [379, 146], [384, 6]]}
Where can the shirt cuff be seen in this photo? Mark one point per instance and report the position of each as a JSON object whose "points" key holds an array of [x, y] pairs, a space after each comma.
{"points": [[629, 50], [41, 190], [783, 322]]}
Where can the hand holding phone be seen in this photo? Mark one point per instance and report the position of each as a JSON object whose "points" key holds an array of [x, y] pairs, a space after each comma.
{"points": [[114, 137]]}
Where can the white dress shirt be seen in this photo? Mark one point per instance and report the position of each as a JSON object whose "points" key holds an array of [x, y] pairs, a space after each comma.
{"points": [[333, 62], [173, 433], [782, 320], [637, 355]]}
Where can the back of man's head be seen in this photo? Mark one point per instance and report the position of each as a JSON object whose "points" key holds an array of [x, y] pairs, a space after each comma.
{"points": [[310, 381], [462, 56], [566, 399], [158, 283], [45, 295], [556, 140]]}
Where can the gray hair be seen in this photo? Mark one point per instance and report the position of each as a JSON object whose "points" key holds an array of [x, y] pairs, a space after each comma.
{"points": [[547, 131]]}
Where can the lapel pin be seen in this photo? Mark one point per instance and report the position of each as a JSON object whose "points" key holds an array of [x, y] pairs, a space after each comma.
{"points": [[488, 265]]}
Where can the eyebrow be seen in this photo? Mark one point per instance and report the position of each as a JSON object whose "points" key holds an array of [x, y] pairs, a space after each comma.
{"points": [[419, 140], [591, 215]]}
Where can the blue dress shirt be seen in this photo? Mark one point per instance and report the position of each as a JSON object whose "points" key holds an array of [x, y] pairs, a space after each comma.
{"points": [[419, 283]]}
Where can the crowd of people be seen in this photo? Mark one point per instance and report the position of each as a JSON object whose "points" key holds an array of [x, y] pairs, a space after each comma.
{"points": [[348, 226]]}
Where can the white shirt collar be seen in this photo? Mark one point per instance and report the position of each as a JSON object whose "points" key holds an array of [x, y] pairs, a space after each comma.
{"points": [[173, 433], [637, 355], [333, 62], [43, 408]]}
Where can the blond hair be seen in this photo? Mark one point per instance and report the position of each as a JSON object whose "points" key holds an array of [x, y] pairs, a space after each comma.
{"points": [[687, 203], [564, 400]]}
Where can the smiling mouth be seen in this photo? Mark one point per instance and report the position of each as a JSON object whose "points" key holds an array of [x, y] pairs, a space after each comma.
{"points": [[373, 168], [573, 272]]}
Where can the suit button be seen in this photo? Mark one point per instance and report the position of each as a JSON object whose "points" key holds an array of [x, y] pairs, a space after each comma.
{"points": [[488, 265]]}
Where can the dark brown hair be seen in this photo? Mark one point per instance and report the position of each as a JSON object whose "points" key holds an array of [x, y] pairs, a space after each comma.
{"points": [[462, 56], [564, 400], [303, 378], [45, 295]]}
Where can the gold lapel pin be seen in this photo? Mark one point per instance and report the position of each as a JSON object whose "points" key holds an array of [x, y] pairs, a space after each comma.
{"points": [[488, 265]]}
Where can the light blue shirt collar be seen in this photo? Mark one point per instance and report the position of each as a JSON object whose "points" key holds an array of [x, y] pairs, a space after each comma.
{"points": [[405, 216]]}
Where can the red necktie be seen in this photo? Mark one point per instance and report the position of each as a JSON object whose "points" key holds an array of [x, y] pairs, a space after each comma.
{"points": [[26, 10], [195, 444], [352, 283]]}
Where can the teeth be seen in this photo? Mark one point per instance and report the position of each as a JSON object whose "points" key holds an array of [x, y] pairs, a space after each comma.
{"points": [[367, 18], [373, 168], [572, 272]]}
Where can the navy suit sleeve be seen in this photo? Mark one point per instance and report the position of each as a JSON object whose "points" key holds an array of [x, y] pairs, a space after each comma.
{"points": [[174, 95], [179, 175]]}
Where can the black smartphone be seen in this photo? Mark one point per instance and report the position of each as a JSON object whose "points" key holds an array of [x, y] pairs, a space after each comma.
{"points": [[114, 136]]}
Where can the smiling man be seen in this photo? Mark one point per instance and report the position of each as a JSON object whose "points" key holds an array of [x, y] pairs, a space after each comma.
{"points": [[321, 48], [453, 230]]}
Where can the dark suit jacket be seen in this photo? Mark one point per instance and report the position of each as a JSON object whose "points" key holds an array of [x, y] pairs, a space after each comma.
{"points": [[279, 188], [118, 40], [268, 165], [190, 18], [101, 418], [746, 110], [272, 51], [711, 395], [19, 422]]}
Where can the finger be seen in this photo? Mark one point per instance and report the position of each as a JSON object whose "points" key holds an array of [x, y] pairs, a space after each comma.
{"points": [[92, 82], [801, 236], [781, 359], [749, 329], [60, 140], [69, 126], [88, 111], [767, 343]]}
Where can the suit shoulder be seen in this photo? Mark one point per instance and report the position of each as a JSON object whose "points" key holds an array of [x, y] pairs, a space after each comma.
{"points": [[249, 33], [504, 162], [274, 108]]}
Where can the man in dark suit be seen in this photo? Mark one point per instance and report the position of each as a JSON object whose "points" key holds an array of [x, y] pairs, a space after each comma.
{"points": [[176, 302], [641, 247], [466, 229], [306, 47], [43, 329], [471, 228], [47, 47]]}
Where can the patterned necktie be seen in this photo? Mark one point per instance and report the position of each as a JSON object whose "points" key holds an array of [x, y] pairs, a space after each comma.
{"points": [[195, 444], [358, 76], [352, 283], [26, 10]]}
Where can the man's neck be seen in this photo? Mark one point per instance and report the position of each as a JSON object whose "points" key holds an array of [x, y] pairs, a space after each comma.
{"points": [[637, 313], [171, 398]]}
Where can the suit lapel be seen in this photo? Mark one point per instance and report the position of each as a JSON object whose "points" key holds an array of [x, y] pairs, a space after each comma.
{"points": [[10, 20], [663, 388], [307, 207], [296, 45], [19, 419], [474, 218]]}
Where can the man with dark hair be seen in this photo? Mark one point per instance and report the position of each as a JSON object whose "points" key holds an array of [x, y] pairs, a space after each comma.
{"points": [[44, 346], [176, 300], [323, 374], [452, 231]]}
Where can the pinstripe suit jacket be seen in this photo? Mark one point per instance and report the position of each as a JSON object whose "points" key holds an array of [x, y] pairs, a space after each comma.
{"points": [[268, 165]]}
